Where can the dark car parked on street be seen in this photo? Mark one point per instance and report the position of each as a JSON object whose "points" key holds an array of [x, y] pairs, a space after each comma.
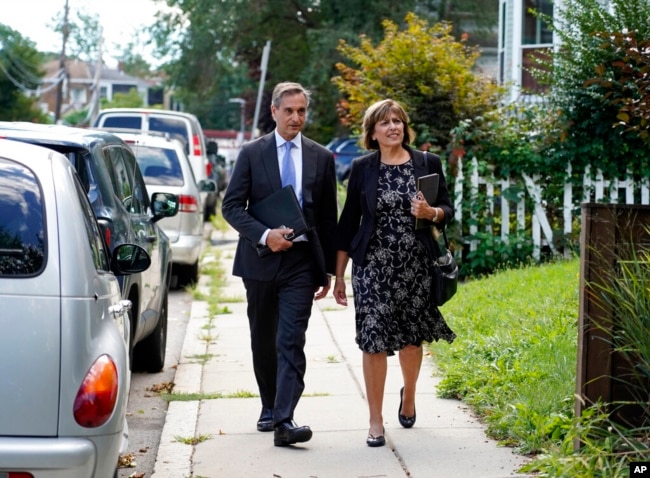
{"points": [[345, 150], [112, 179]]}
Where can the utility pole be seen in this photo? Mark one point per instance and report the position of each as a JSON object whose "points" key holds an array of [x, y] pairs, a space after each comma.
{"points": [[62, 72], [265, 61]]}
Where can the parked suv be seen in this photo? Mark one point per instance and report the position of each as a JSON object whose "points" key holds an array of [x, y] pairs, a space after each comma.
{"points": [[127, 214], [181, 125], [166, 168]]}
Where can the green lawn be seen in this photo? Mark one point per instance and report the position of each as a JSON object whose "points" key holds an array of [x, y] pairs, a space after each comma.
{"points": [[514, 363]]}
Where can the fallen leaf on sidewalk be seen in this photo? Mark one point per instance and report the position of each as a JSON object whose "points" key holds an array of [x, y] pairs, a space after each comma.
{"points": [[127, 461], [161, 387]]}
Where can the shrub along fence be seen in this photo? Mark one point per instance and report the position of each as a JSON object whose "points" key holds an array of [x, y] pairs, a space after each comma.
{"points": [[529, 208]]}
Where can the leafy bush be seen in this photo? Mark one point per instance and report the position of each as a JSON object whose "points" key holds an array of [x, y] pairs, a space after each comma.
{"points": [[423, 67], [493, 254]]}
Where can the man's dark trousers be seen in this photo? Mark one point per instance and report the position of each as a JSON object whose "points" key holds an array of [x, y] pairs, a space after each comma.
{"points": [[283, 304]]}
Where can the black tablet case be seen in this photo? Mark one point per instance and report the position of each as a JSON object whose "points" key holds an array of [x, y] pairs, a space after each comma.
{"points": [[279, 209]]}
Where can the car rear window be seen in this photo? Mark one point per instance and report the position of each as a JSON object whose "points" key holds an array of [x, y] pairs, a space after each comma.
{"points": [[128, 122], [22, 221], [176, 128], [159, 166]]}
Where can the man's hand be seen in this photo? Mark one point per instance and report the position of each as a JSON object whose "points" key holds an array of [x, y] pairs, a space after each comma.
{"points": [[322, 292], [276, 241]]}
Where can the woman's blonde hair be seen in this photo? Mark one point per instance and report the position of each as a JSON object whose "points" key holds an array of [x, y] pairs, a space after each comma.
{"points": [[378, 112]]}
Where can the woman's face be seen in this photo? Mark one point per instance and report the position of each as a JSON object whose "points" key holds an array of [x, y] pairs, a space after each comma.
{"points": [[389, 131]]}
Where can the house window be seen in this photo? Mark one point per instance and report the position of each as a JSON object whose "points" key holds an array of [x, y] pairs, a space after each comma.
{"points": [[537, 39], [536, 32], [78, 96]]}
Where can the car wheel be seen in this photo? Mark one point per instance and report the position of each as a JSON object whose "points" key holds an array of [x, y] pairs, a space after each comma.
{"points": [[188, 275], [149, 355]]}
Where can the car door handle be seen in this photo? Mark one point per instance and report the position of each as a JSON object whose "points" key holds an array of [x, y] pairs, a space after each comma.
{"points": [[121, 308], [150, 239]]}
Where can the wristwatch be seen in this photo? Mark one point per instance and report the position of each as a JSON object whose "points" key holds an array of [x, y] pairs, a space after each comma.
{"points": [[435, 216]]}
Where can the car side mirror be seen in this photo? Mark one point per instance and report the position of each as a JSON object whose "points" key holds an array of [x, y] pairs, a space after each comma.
{"points": [[164, 205], [129, 259], [207, 186]]}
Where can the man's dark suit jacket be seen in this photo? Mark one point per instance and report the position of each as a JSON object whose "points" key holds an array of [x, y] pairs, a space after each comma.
{"points": [[358, 218], [256, 174]]}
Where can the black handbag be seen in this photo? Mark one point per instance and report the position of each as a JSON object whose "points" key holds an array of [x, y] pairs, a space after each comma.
{"points": [[444, 277]]}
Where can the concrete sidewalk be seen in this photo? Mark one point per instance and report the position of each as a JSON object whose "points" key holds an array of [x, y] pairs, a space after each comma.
{"points": [[445, 442]]}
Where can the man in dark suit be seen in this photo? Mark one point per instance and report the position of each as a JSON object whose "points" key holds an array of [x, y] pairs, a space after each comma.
{"points": [[282, 285]]}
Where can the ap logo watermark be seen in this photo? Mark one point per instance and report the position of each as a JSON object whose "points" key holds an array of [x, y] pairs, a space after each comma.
{"points": [[639, 469]]}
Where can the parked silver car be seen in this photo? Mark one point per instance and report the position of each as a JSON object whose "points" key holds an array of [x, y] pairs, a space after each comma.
{"points": [[64, 358], [166, 168], [127, 214]]}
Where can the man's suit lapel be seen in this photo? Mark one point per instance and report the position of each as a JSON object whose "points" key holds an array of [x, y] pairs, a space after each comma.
{"points": [[309, 169], [269, 152]]}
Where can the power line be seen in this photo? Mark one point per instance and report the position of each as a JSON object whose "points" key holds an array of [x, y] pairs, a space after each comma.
{"points": [[27, 90]]}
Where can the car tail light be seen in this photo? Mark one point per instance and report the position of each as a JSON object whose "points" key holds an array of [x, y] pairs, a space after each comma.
{"points": [[95, 400], [196, 145], [187, 203], [106, 229], [16, 474]]}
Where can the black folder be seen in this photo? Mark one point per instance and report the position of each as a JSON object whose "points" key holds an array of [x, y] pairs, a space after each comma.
{"points": [[428, 185], [280, 209]]}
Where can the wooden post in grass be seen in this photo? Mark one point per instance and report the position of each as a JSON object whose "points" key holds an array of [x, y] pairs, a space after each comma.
{"points": [[611, 233]]}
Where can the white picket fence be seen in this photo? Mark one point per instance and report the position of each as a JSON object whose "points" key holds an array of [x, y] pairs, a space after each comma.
{"points": [[595, 188]]}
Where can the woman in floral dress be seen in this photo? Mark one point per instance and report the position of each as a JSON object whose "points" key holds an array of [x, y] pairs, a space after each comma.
{"points": [[390, 260]]}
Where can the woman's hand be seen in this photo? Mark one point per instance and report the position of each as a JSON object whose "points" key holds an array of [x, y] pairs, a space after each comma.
{"points": [[421, 209], [339, 292]]}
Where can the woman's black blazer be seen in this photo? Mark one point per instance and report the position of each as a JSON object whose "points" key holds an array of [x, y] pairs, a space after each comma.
{"points": [[358, 217]]}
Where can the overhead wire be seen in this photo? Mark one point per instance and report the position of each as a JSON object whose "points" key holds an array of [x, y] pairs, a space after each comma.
{"points": [[21, 73]]}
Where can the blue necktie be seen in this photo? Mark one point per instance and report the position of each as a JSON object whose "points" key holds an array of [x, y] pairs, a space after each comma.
{"points": [[288, 168]]}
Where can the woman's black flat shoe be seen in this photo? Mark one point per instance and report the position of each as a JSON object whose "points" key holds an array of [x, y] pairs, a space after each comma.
{"points": [[376, 441], [406, 422]]}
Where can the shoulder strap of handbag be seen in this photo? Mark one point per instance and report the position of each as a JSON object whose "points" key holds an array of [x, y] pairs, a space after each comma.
{"points": [[425, 155], [444, 234]]}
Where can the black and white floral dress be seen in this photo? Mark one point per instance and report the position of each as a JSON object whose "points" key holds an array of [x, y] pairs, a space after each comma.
{"points": [[391, 287]]}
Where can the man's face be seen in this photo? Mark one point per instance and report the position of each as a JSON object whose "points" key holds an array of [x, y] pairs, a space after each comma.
{"points": [[290, 115]]}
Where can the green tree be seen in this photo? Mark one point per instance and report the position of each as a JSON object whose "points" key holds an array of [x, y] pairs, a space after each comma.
{"points": [[585, 116], [133, 63], [20, 76], [426, 69], [83, 33], [124, 100], [215, 50]]}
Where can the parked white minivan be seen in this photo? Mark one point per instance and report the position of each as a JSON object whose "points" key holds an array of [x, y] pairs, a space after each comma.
{"points": [[178, 124]]}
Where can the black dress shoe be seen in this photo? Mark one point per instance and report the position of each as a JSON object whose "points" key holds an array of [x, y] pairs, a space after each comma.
{"points": [[288, 433], [265, 423], [406, 422], [374, 441]]}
